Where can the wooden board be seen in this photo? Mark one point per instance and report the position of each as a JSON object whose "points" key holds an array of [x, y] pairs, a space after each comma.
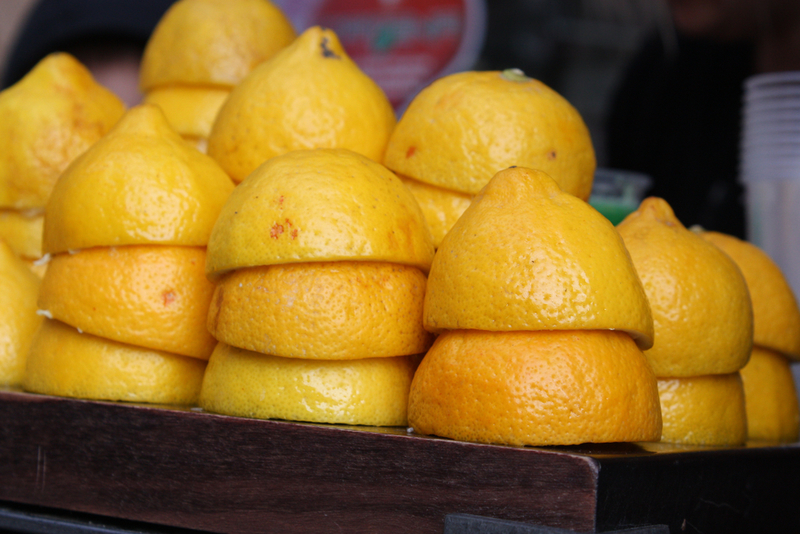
{"points": [[184, 468]]}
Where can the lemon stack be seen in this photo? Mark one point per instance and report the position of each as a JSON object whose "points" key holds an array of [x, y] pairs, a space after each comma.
{"points": [[47, 119], [463, 128], [319, 260], [200, 50], [703, 327], [309, 95], [770, 395], [18, 323], [125, 293], [541, 318]]}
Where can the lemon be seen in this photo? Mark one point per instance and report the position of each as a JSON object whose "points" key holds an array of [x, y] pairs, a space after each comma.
{"points": [[770, 397], [465, 127], [213, 42], [47, 119], [703, 410], [535, 388], [441, 207], [67, 363], [150, 296], [319, 205], [340, 310], [191, 111], [200, 50], [22, 231], [18, 318], [776, 317], [140, 184], [527, 256], [699, 298], [370, 391], [308, 95]]}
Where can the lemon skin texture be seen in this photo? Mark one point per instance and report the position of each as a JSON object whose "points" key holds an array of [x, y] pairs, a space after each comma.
{"points": [[527, 256], [370, 391], [535, 388], [67, 363]]}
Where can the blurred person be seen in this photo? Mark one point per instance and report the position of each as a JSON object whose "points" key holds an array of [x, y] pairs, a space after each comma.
{"points": [[676, 114], [107, 37]]}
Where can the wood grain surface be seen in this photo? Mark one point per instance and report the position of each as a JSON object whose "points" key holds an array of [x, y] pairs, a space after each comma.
{"points": [[184, 468], [226, 474]]}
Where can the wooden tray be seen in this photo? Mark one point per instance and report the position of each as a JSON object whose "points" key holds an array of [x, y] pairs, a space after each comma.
{"points": [[185, 468]]}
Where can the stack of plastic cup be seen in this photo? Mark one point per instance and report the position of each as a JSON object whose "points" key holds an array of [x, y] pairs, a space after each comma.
{"points": [[770, 167]]}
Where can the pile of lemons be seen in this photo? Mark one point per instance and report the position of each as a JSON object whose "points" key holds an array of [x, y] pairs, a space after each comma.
{"points": [[264, 238]]}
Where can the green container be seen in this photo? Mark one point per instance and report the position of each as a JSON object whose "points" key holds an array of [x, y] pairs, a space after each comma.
{"points": [[616, 193]]}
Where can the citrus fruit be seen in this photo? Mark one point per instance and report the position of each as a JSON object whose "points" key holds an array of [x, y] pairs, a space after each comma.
{"points": [[535, 388], [200, 50], [770, 397], [22, 231], [441, 207], [309, 95], [463, 128], [18, 318], [319, 205], [700, 302], [703, 410], [322, 310], [140, 184], [370, 391], [67, 363], [527, 256], [150, 295], [48, 118], [776, 317], [213, 42], [189, 110]]}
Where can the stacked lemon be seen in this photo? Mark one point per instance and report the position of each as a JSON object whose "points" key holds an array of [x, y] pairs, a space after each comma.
{"points": [[309, 95], [703, 326], [47, 119], [770, 395], [463, 128], [18, 289], [319, 259], [542, 320], [125, 293], [200, 50]]}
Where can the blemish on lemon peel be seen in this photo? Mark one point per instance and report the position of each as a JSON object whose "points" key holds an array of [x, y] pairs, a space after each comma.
{"points": [[169, 297], [326, 51], [410, 151]]}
